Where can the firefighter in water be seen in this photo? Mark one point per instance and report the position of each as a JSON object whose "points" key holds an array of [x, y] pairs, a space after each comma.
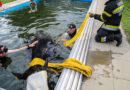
{"points": [[1, 8], [33, 6], [111, 16]]}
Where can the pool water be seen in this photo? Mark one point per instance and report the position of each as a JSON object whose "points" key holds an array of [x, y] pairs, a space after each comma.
{"points": [[17, 27]]}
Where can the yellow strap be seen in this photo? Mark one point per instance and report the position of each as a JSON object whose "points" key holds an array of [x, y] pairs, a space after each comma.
{"points": [[69, 63], [37, 61], [107, 14], [102, 18], [110, 26], [118, 8], [70, 42]]}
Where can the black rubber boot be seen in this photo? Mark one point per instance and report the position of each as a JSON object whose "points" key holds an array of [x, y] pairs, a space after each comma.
{"points": [[118, 38], [110, 38]]}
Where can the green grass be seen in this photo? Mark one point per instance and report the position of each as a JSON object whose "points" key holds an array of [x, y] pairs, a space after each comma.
{"points": [[6, 1], [126, 18]]}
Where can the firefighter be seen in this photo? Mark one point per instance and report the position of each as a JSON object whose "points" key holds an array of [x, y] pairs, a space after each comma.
{"points": [[33, 6], [70, 33], [4, 60], [1, 8], [111, 16]]}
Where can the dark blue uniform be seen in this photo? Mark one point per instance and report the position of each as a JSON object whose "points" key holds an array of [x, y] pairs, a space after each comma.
{"points": [[111, 17], [73, 34]]}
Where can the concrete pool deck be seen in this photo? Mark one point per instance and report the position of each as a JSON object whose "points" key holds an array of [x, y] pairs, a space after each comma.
{"points": [[110, 63]]}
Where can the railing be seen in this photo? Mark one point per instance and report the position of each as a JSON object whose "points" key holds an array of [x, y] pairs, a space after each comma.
{"points": [[70, 79]]}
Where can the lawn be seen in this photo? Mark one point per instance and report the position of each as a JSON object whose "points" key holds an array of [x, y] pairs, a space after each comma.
{"points": [[6, 1], [126, 18]]}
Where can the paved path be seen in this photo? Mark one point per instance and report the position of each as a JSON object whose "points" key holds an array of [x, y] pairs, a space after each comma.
{"points": [[14, 3], [111, 64]]}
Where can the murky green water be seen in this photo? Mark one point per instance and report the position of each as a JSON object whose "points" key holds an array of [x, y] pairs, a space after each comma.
{"points": [[16, 28]]}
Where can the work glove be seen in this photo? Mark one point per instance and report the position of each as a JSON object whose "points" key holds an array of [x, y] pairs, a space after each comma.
{"points": [[91, 14]]}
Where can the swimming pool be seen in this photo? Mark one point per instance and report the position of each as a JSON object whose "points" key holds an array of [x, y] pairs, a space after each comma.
{"points": [[18, 26]]}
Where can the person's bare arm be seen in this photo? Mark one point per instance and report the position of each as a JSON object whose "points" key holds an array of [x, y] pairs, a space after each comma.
{"points": [[22, 48]]}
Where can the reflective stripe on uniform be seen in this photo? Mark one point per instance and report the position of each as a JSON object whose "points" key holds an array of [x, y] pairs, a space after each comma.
{"points": [[107, 14], [110, 27], [103, 39], [118, 9], [102, 18], [120, 3]]}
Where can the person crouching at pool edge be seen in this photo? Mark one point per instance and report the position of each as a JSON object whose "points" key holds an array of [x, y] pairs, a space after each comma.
{"points": [[4, 52], [70, 33]]}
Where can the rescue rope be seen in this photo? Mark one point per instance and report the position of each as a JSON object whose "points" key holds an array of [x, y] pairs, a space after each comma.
{"points": [[70, 42], [70, 63]]}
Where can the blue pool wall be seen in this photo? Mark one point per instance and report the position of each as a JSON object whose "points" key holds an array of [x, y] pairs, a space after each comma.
{"points": [[26, 4]]}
